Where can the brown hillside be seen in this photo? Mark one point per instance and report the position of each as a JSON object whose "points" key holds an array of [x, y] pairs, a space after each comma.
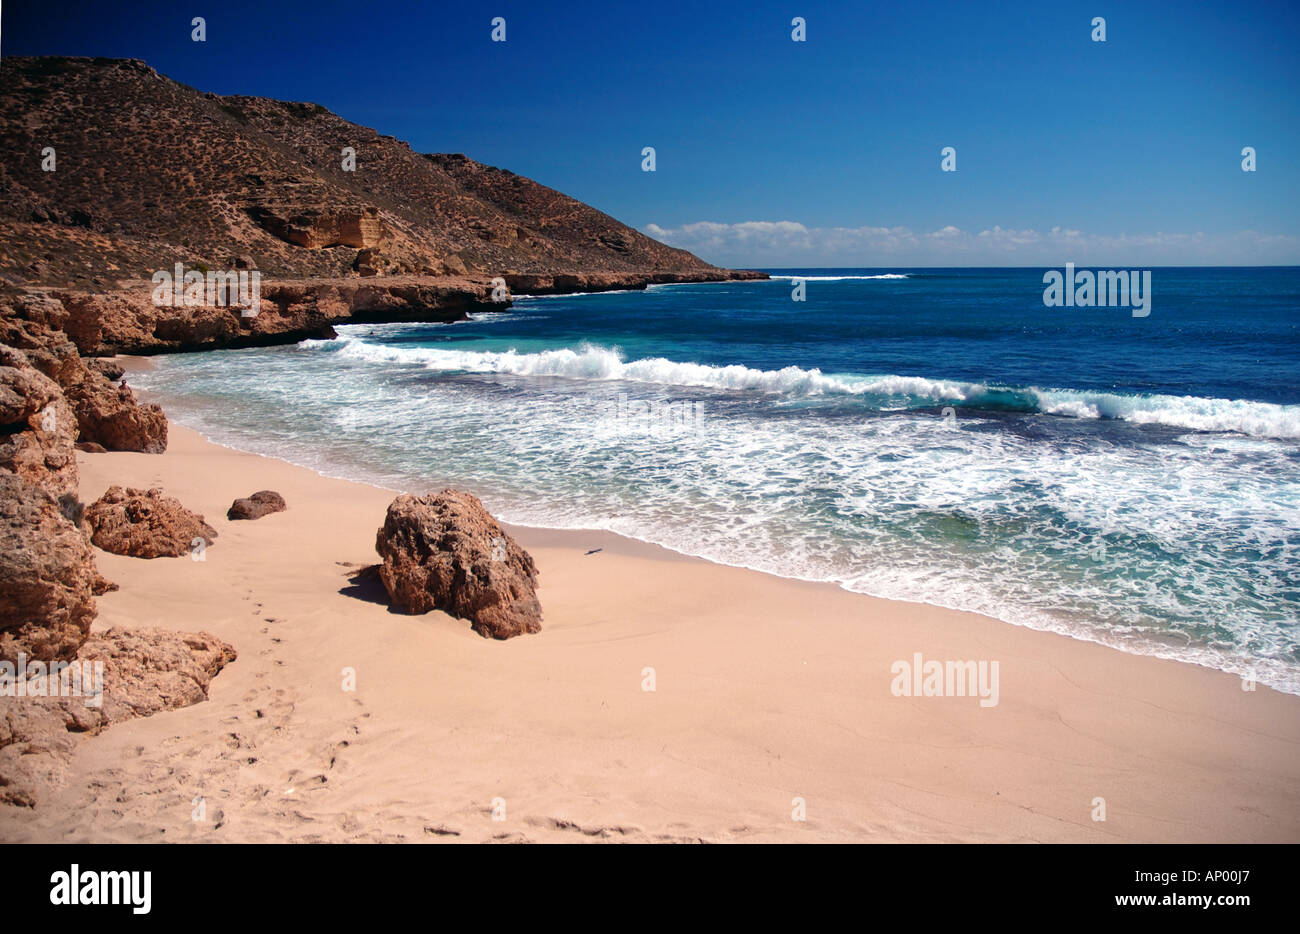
{"points": [[151, 172]]}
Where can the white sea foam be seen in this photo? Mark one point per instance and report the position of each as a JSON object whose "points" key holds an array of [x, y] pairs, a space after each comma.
{"points": [[589, 362], [1199, 539]]}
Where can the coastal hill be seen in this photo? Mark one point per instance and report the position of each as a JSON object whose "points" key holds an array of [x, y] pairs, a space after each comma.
{"points": [[147, 168], [147, 172]]}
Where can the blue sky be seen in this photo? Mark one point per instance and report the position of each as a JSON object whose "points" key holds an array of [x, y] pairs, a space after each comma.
{"points": [[826, 152]]}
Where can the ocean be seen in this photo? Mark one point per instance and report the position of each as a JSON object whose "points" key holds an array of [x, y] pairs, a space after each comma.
{"points": [[930, 435]]}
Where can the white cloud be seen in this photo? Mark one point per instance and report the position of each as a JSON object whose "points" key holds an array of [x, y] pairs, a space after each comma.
{"points": [[791, 244]]}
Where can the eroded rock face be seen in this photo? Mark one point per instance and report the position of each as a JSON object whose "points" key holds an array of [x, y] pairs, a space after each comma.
{"points": [[109, 415], [47, 575], [261, 503], [101, 412], [36, 741], [289, 310], [109, 369], [318, 229], [446, 552], [145, 524], [148, 670], [143, 671], [48, 398], [38, 429]]}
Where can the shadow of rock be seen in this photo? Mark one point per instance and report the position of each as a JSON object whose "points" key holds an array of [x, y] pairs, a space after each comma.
{"points": [[364, 584]]}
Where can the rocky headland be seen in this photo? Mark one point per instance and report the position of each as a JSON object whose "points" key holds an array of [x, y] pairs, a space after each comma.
{"points": [[126, 173]]}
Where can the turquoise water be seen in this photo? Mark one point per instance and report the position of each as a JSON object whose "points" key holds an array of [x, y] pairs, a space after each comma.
{"points": [[930, 435]]}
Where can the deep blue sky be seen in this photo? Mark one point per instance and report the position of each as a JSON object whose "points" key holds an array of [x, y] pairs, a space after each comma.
{"points": [[1140, 135]]}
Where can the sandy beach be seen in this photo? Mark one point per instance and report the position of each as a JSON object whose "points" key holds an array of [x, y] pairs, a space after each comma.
{"points": [[772, 700], [956, 349]]}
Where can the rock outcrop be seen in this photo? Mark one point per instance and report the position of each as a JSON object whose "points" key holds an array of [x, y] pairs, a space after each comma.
{"points": [[99, 412], [148, 670], [109, 416], [109, 369], [446, 552], [48, 578], [125, 320], [145, 524], [143, 671], [262, 503], [38, 429], [52, 403], [165, 174], [317, 229]]}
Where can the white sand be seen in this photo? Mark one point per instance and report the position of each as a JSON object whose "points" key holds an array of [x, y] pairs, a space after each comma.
{"points": [[767, 690]]}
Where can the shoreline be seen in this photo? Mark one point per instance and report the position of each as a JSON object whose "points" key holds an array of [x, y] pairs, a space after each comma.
{"points": [[1149, 646], [767, 690], [128, 319]]}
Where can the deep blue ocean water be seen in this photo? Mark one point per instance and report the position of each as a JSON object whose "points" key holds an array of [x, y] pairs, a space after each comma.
{"points": [[931, 435]]}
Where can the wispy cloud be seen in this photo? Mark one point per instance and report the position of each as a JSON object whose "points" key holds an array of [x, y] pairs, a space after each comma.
{"points": [[789, 243]]}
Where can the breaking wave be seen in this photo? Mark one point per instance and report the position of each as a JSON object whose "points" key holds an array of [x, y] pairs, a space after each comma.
{"points": [[591, 362]]}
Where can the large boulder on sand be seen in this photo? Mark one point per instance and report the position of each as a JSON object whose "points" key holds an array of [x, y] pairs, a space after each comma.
{"points": [[109, 415], [262, 503], [145, 524], [47, 575], [445, 552]]}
